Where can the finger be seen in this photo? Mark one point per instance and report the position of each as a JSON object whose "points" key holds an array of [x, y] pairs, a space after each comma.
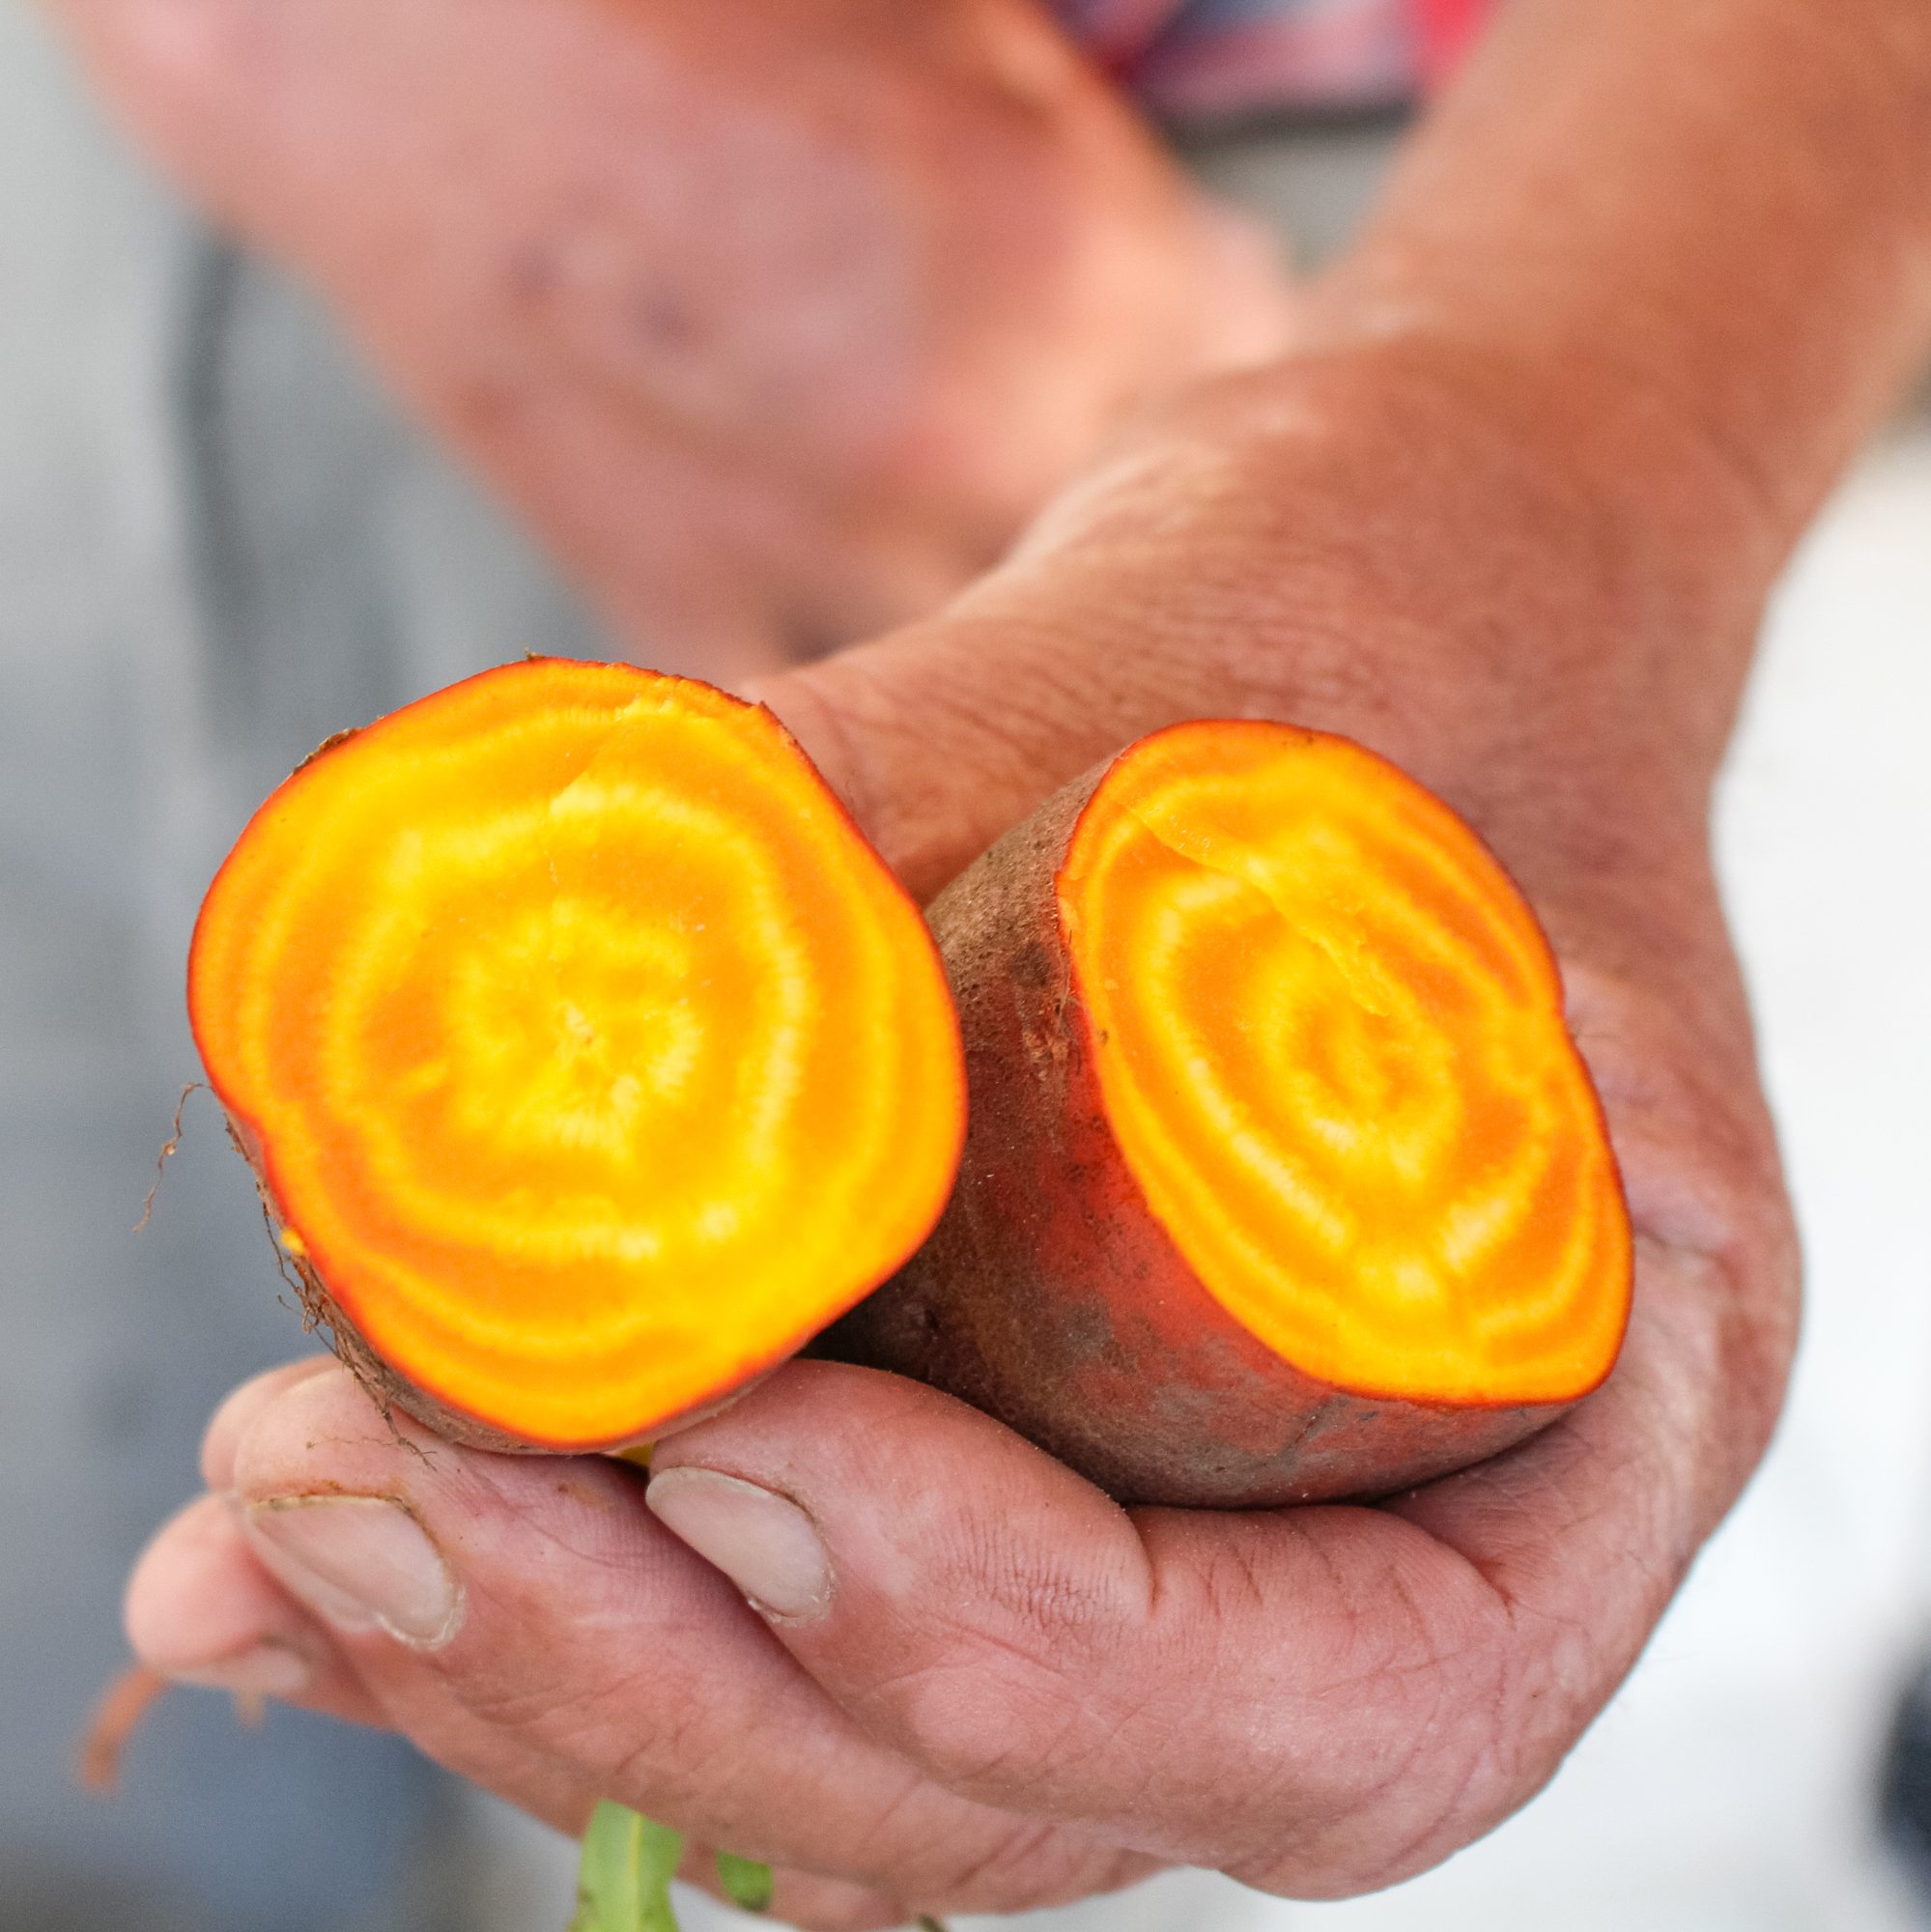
{"points": [[1207, 1687], [201, 1610], [1320, 1700], [231, 1420], [526, 1622]]}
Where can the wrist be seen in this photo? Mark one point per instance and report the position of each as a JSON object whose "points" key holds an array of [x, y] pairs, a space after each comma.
{"points": [[1699, 298], [1395, 534], [1641, 473]]}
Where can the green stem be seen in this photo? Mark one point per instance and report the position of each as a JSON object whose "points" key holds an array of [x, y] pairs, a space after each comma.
{"points": [[747, 1884], [623, 1880]]}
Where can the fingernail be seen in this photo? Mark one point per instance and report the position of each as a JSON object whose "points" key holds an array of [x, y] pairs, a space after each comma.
{"points": [[262, 1671], [765, 1543], [361, 1563]]}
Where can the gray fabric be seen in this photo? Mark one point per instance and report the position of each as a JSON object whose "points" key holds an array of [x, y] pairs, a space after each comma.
{"points": [[1310, 180]]}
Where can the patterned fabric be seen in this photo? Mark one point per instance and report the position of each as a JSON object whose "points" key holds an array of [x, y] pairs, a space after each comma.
{"points": [[1195, 58]]}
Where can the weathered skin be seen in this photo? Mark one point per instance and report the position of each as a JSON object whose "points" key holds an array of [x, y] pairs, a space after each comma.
{"points": [[838, 291], [1051, 1297]]}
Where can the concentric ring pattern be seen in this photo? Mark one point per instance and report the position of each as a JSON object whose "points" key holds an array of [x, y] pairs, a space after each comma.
{"points": [[1330, 1046], [595, 1059]]}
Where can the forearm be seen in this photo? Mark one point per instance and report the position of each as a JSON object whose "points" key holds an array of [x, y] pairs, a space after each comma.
{"points": [[1687, 240]]}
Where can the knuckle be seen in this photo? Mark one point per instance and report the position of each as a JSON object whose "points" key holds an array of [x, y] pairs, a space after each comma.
{"points": [[1428, 1768], [980, 1723], [612, 1722]]}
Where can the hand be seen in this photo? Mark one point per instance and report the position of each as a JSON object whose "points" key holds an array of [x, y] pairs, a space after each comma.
{"points": [[775, 319], [974, 1683]]}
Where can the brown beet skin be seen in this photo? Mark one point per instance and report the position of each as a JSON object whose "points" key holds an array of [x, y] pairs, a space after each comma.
{"points": [[1049, 1296], [386, 1385]]}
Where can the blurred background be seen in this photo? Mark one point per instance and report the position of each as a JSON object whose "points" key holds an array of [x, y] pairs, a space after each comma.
{"points": [[218, 544]]}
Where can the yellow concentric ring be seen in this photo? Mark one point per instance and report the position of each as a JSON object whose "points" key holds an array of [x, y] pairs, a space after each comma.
{"points": [[1331, 1048]]}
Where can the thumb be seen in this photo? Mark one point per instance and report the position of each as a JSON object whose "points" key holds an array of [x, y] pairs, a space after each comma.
{"points": [[942, 735]]}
